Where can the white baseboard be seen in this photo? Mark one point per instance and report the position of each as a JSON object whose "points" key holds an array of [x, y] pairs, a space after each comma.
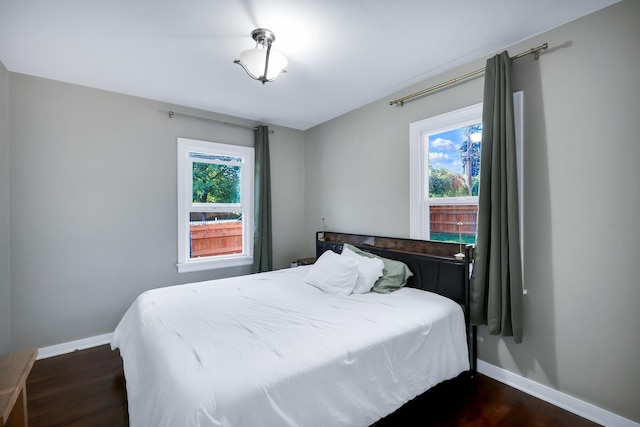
{"points": [[68, 347], [555, 397]]}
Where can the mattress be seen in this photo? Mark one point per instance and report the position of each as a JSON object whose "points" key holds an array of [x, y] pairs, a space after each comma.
{"points": [[269, 350]]}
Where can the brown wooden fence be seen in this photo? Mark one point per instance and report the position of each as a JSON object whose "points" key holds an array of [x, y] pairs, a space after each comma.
{"points": [[222, 238], [444, 219]]}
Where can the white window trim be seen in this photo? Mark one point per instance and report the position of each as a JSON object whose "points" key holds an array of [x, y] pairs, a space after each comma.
{"points": [[518, 117], [418, 220], [185, 175]]}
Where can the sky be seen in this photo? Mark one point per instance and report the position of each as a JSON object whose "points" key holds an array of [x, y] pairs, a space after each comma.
{"points": [[443, 150]]}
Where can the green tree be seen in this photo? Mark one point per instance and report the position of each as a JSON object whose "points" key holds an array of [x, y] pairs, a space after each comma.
{"points": [[445, 183], [470, 155], [216, 183]]}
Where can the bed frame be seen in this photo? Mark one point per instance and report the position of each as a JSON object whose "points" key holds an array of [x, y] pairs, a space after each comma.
{"points": [[433, 265]]}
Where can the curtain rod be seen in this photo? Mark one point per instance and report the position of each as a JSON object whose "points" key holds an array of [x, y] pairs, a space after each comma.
{"points": [[237, 125], [535, 51]]}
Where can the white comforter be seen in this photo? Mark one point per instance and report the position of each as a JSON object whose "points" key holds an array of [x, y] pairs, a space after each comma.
{"points": [[269, 350]]}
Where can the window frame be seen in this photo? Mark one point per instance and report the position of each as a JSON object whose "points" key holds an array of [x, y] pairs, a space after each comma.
{"points": [[419, 221], [186, 205]]}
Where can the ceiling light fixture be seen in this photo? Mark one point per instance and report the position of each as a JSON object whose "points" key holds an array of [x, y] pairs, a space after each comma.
{"points": [[262, 63]]}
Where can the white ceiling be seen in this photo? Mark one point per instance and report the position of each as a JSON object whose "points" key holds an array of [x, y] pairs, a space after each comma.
{"points": [[342, 54]]}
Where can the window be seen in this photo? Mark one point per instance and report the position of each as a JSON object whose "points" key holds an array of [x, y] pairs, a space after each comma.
{"points": [[445, 173], [445, 153], [215, 205]]}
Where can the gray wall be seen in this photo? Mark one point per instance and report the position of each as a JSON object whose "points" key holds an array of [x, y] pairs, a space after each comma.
{"points": [[5, 288], [581, 202], [93, 204]]}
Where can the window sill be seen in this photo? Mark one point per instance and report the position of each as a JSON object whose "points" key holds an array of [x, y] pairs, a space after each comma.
{"points": [[212, 264]]}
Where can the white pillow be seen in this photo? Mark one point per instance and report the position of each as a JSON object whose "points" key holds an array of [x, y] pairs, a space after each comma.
{"points": [[369, 270], [333, 274]]}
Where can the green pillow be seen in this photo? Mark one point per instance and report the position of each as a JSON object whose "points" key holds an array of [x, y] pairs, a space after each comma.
{"points": [[394, 275]]}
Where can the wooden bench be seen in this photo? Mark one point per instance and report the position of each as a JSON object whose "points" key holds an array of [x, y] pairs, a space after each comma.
{"points": [[14, 370]]}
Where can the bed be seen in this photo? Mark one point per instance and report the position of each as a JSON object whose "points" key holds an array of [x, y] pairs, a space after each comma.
{"points": [[271, 349]]}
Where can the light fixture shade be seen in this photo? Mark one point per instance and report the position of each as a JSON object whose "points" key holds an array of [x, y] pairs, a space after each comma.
{"points": [[253, 62], [262, 58]]}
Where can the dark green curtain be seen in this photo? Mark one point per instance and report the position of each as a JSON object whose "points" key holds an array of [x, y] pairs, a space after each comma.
{"points": [[496, 283], [262, 250]]}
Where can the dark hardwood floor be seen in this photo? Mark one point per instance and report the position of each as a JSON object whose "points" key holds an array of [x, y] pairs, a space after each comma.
{"points": [[87, 388], [83, 388]]}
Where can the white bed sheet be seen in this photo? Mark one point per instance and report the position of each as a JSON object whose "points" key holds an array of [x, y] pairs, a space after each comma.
{"points": [[269, 350]]}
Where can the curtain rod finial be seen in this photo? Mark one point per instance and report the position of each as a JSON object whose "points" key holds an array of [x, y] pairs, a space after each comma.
{"points": [[536, 54]]}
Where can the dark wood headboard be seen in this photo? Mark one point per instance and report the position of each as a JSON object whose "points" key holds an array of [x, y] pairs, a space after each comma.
{"points": [[433, 265]]}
